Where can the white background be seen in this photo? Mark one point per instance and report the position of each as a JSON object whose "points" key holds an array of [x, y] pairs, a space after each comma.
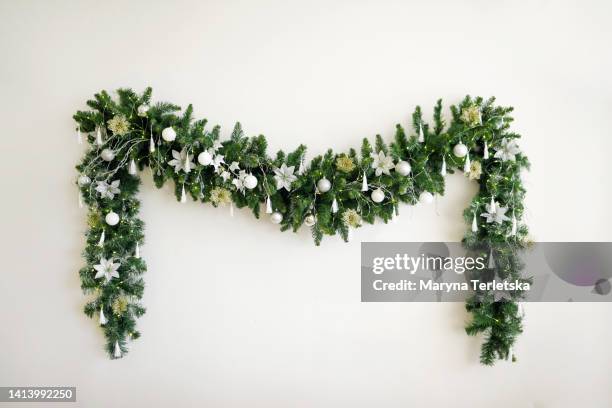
{"points": [[240, 314]]}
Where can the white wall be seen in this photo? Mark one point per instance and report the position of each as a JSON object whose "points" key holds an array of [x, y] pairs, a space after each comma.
{"points": [[239, 314]]}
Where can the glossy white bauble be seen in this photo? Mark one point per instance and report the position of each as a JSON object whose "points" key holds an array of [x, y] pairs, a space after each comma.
{"points": [[169, 134]]}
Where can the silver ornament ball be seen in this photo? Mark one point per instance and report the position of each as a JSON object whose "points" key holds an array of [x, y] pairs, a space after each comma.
{"points": [[460, 150], [377, 195], [112, 218], [310, 220], [83, 180], [143, 109], [426, 197], [403, 168], [250, 181], [107, 155], [169, 134], [276, 218], [324, 185], [205, 158]]}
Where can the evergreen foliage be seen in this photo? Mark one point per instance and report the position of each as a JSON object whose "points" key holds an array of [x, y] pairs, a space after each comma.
{"points": [[498, 321]]}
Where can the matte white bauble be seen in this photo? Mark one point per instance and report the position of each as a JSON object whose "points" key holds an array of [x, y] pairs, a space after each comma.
{"points": [[205, 158], [83, 180], [426, 197], [107, 155], [460, 150], [310, 220], [168, 134], [403, 168], [142, 110], [324, 185], [250, 181], [378, 195], [112, 218], [276, 218]]}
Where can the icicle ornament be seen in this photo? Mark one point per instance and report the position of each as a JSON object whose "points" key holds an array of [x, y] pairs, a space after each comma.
{"points": [[492, 207], [268, 205], [132, 168], [443, 169], [183, 195], [117, 351], [491, 260], [103, 319], [486, 151], [421, 134], [80, 200], [101, 241], [302, 167], [334, 206], [514, 225], [137, 251], [467, 164], [99, 140], [151, 144], [364, 183], [79, 136], [474, 224]]}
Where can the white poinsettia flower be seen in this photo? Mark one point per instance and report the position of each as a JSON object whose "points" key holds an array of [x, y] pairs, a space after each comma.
{"points": [[239, 181], [182, 161], [234, 166], [507, 150], [382, 163], [107, 269], [108, 190], [284, 177], [216, 163], [225, 175], [497, 214], [216, 145]]}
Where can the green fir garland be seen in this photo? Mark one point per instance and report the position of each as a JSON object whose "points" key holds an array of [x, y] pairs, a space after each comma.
{"points": [[129, 133]]}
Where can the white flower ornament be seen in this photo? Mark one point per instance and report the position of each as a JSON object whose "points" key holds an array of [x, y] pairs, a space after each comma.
{"points": [[507, 150], [382, 163], [181, 161], [284, 177], [108, 190], [107, 269], [496, 214]]}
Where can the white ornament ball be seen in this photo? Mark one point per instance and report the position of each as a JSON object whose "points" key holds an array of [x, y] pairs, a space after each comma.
{"points": [[250, 181], [107, 155], [310, 220], [460, 150], [276, 218], [426, 197], [324, 185], [205, 158], [112, 218], [168, 134], [142, 110], [378, 195], [83, 180], [403, 168]]}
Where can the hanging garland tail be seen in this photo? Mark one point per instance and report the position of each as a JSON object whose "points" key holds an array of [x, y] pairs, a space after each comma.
{"points": [[332, 194]]}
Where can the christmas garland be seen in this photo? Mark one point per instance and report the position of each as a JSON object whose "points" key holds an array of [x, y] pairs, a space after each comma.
{"points": [[331, 194]]}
